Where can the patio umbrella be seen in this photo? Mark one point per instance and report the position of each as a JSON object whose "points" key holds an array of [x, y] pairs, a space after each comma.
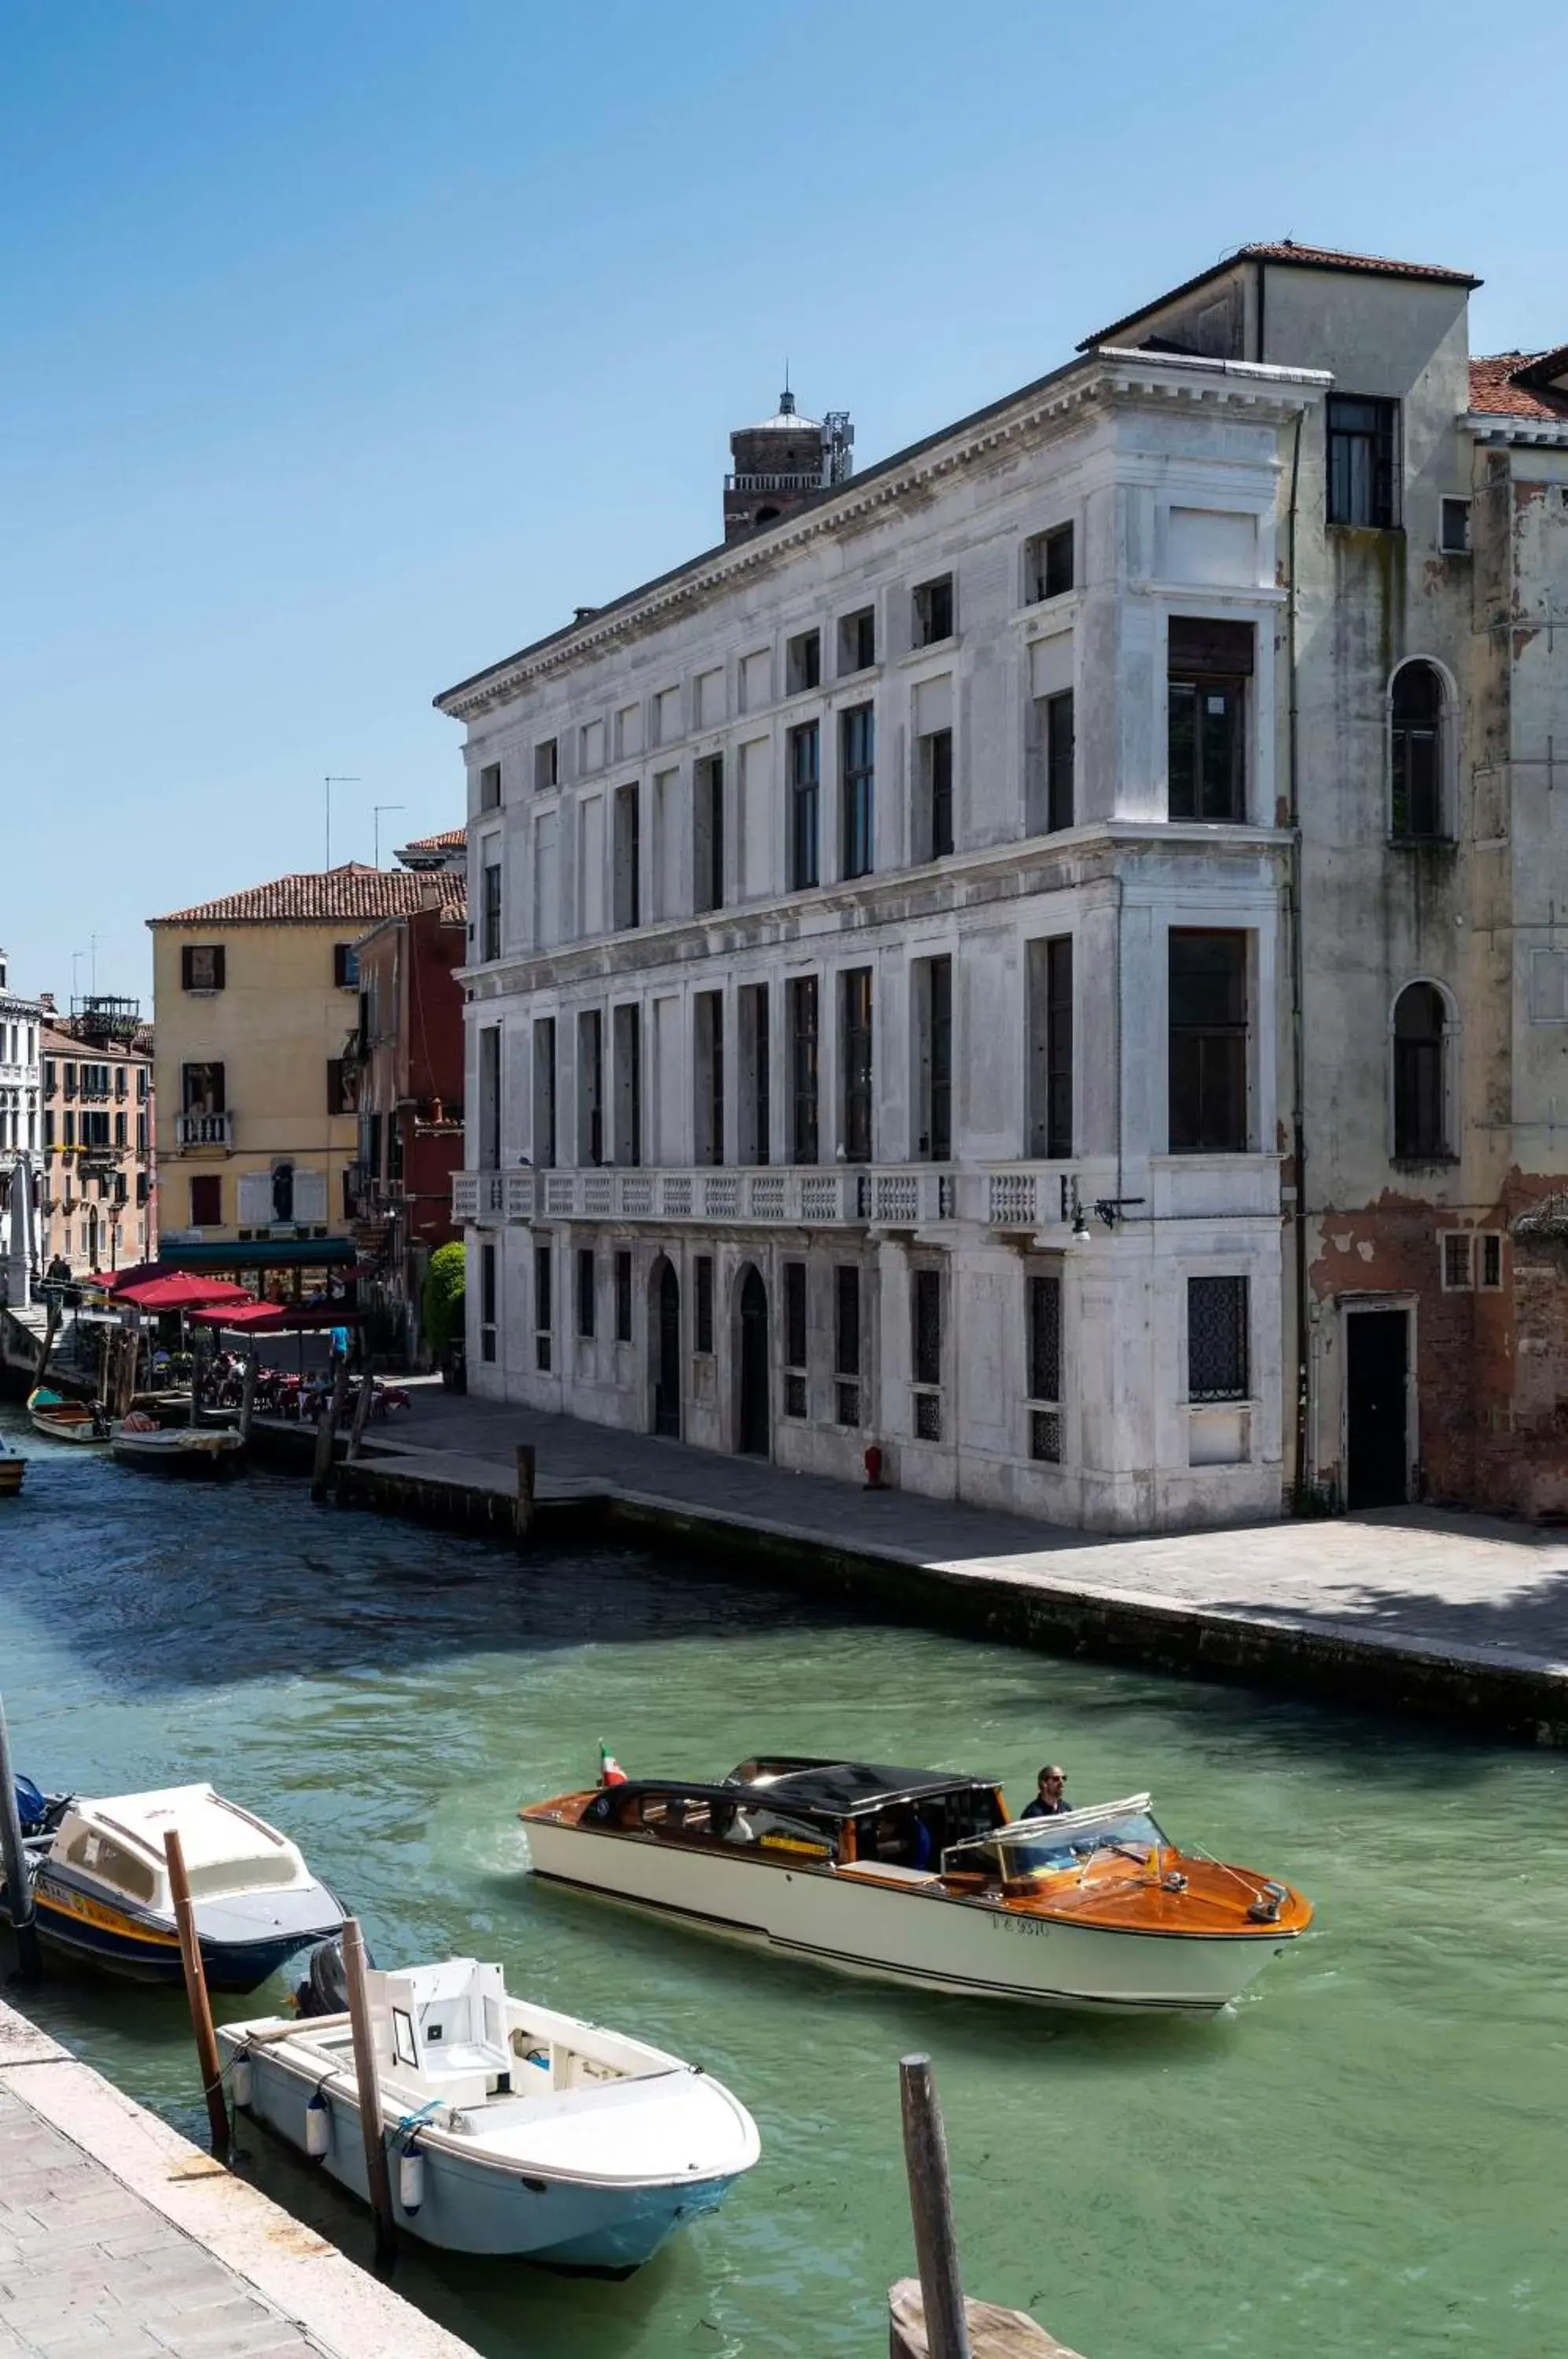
{"points": [[180, 1290]]}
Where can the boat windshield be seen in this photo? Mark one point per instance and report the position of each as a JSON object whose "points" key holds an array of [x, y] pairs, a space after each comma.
{"points": [[1047, 1846]]}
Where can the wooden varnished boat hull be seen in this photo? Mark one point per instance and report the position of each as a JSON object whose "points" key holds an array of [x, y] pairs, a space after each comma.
{"points": [[907, 1934]]}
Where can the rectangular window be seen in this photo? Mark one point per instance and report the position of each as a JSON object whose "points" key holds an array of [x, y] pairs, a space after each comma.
{"points": [[628, 857], [933, 611], [925, 1306], [487, 1302], [1210, 663], [1050, 1047], [1217, 1339], [1057, 748], [490, 786], [490, 938], [934, 781], [1490, 1276], [1362, 435], [708, 1042], [627, 1036], [857, 769], [141, 1134], [702, 1315], [623, 1298], [755, 1104], [857, 642], [343, 1085], [590, 1087], [1045, 1368], [70, 1128], [207, 1201], [544, 1307], [933, 1019], [346, 966], [1208, 1043], [708, 833], [204, 1088], [586, 1285], [1047, 561], [201, 966], [803, 1069], [846, 1343], [1453, 529], [119, 1081], [805, 792], [1458, 1245], [544, 1094], [854, 1062], [546, 765], [141, 1082], [490, 1098], [802, 663], [795, 1370]]}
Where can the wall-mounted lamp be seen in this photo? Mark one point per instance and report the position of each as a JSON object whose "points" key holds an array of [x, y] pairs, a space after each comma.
{"points": [[1072, 1208]]}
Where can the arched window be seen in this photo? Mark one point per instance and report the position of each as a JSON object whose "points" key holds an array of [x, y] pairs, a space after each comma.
{"points": [[1416, 753], [1421, 1079]]}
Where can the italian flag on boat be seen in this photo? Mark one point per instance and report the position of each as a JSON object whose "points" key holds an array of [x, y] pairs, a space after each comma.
{"points": [[610, 1770]]}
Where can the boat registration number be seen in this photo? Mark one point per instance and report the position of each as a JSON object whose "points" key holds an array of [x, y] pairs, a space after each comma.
{"points": [[1020, 1925]]}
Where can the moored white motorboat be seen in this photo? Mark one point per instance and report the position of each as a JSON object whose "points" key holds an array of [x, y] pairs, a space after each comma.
{"points": [[511, 2129], [921, 1876], [176, 1448], [101, 1885], [60, 1419]]}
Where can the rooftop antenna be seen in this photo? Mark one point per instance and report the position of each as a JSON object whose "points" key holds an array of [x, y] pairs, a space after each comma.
{"points": [[338, 779], [379, 809], [786, 399]]}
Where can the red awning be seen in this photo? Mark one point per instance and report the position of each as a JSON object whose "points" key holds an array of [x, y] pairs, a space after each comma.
{"points": [[279, 1318], [178, 1292]]}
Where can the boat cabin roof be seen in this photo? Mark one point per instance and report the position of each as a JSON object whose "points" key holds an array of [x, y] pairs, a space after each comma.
{"points": [[820, 1789], [118, 1838]]}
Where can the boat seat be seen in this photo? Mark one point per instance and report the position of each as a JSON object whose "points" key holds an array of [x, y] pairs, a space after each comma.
{"points": [[884, 1871]]}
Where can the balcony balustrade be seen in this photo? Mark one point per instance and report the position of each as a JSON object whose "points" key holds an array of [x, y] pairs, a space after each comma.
{"points": [[204, 1130]]}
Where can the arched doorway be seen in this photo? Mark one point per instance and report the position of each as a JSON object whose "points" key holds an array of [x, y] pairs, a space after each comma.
{"points": [[754, 1434], [665, 1354]]}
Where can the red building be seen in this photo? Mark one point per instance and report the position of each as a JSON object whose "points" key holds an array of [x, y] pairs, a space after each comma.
{"points": [[407, 1047]]}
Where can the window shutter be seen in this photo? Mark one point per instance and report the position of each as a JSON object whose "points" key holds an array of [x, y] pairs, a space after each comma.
{"points": [[1200, 645], [187, 964]]}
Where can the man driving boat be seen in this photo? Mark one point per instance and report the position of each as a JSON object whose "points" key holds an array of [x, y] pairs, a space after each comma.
{"points": [[1050, 1795]]}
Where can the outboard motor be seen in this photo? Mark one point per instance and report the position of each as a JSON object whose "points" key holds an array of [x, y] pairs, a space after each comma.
{"points": [[32, 1808], [324, 1990]]}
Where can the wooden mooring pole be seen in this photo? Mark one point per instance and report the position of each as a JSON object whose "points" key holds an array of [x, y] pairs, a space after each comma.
{"points": [[18, 1880], [362, 1400], [196, 1992], [527, 1467], [248, 1390], [377, 2172], [326, 1427], [929, 2317]]}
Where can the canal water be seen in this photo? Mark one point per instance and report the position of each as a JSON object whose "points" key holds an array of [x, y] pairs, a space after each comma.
{"points": [[1364, 2159]]}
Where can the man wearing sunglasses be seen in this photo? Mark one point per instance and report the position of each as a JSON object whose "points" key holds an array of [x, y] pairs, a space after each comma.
{"points": [[1051, 1799]]}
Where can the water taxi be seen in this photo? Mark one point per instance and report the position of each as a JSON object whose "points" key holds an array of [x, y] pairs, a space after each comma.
{"points": [[101, 1886], [922, 1876], [512, 2129]]}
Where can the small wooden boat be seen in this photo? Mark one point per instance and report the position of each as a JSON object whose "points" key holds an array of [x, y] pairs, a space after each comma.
{"points": [[12, 1469], [513, 2129], [67, 1421], [207, 1451], [101, 1885], [922, 1876]]}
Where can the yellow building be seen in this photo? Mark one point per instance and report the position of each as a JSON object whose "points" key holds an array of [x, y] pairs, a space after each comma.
{"points": [[256, 997]]}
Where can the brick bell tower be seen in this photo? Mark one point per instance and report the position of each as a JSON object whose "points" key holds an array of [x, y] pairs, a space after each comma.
{"points": [[782, 463]]}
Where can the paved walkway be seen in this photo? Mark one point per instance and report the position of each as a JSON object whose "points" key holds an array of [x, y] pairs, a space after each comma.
{"points": [[1421, 1578], [120, 2240]]}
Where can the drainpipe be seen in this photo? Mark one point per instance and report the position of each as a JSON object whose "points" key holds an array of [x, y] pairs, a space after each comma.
{"points": [[1298, 1123]]}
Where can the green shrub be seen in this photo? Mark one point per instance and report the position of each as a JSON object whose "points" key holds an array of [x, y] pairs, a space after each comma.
{"points": [[441, 1308]]}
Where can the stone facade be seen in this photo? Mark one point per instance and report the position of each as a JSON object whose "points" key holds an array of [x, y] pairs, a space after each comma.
{"points": [[1040, 1078], [97, 1192]]}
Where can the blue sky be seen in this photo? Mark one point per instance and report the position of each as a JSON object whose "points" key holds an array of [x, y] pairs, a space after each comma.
{"points": [[348, 347]]}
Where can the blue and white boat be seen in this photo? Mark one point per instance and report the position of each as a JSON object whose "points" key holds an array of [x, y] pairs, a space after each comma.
{"points": [[511, 2128], [101, 1885]]}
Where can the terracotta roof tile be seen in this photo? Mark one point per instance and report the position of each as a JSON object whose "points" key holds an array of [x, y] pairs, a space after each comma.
{"points": [[447, 841], [1496, 392], [1306, 258], [352, 893]]}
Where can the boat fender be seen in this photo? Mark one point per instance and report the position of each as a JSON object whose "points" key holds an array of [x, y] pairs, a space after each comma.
{"points": [[240, 2079], [318, 2126], [411, 2180]]}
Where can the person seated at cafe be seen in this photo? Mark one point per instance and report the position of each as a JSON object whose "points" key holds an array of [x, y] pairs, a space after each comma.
{"points": [[1050, 1793]]}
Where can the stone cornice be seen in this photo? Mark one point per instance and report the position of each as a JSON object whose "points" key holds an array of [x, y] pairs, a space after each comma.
{"points": [[1002, 873], [1270, 395]]}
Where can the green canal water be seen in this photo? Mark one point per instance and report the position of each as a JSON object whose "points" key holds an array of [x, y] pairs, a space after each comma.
{"points": [[1364, 2159]]}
